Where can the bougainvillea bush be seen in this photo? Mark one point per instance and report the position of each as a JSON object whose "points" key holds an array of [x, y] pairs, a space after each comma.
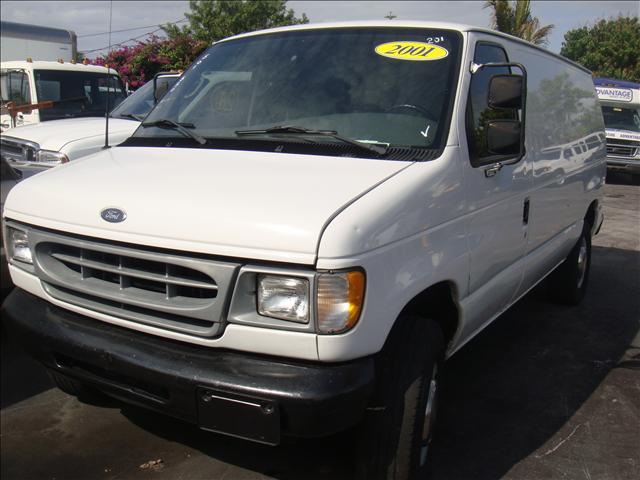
{"points": [[138, 64]]}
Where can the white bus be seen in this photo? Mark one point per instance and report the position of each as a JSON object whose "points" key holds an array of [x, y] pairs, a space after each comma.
{"points": [[620, 101]]}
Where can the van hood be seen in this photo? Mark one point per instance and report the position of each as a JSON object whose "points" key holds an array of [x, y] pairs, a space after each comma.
{"points": [[266, 206], [55, 134]]}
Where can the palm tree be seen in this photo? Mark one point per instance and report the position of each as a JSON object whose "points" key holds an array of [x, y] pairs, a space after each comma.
{"points": [[518, 21]]}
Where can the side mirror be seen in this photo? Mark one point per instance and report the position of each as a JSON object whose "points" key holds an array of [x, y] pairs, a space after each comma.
{"points": [[503, 137], [160, 89], [505, 91]]}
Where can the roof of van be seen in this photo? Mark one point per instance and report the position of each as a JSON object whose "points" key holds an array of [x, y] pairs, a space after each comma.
{"points": [[46, 65], [404, 23], [611, 82]]}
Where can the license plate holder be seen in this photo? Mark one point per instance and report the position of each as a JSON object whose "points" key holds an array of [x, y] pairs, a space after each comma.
{"points": [[240, 416]]}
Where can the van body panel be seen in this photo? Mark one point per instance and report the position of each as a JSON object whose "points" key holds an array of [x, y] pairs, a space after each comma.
{"points": [[506, 256], [396, 233]]}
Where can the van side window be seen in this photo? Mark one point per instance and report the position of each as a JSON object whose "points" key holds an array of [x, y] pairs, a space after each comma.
{"points": [[478, 112], [14, 87]]}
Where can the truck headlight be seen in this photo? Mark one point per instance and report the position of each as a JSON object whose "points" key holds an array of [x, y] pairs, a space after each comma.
{"points": [[18, 245], [339, 300], [286, 298], [51, 158]]}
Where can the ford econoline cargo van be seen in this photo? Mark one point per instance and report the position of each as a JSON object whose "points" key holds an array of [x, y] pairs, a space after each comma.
{"points": [[307, 225]]}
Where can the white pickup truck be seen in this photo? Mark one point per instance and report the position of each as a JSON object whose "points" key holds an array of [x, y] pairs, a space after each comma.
{"points": [[48, 144], [307, 226], [56, 90]]}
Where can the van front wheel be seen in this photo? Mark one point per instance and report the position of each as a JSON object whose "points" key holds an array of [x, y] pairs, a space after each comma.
{"points": [[395, 436], [568, 283]]}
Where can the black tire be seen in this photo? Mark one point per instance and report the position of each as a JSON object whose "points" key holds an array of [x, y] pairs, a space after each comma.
{"points": [[73, 387], [390, 444], [568, 283]]}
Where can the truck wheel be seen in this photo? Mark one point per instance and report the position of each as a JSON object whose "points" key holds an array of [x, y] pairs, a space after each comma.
{"points": [[75, 388], [396, 433], [568, 283]]}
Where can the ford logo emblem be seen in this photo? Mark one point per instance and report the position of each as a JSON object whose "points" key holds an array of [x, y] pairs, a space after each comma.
{"points": [[113, 215]]}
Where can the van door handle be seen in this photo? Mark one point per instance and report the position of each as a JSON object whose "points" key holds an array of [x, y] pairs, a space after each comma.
{"points": [[525, 212], [491, 170]]}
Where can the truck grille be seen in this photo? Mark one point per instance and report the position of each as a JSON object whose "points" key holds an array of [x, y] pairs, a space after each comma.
{"points": [[18, 151], [620, 149], [186, 294]]}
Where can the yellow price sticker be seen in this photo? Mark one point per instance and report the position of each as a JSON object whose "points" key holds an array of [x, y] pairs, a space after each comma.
{"points": [[415, 51]]}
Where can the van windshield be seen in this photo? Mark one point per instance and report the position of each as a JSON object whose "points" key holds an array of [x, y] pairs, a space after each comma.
{"points": [[391, 86], [76, 94], [622, 118], [140, 103]]}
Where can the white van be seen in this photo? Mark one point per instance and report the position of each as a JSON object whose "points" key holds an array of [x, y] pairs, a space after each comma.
{"points": [[307, 226], [620, 101]]}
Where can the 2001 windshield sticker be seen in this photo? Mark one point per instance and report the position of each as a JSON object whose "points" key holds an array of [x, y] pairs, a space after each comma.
{"points": [[415, 51]]}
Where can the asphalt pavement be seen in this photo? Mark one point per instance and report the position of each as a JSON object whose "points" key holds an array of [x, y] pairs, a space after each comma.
{"points": [[545, 392]]}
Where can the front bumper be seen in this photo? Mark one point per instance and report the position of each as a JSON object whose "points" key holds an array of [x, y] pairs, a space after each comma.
{"points": [[622, 165], [248, 396]]}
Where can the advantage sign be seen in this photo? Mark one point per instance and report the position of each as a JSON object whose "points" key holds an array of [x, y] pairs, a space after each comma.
{"points": [[615, 94]]}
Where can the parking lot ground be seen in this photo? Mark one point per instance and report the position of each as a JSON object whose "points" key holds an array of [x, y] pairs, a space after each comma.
{"points": [[545, 392]]}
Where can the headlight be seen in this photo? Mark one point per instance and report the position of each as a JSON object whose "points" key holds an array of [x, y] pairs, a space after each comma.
{"points": [[50, 158], [286, 298], [339, 300], [18, 245]]}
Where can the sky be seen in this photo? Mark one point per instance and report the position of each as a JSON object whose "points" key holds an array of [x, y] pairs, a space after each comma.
{"points": [[90, 19]]}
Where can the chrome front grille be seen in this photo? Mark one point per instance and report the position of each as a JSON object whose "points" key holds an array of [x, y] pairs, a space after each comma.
{"points": [[622, 150], [18, 151], [186, 294]]}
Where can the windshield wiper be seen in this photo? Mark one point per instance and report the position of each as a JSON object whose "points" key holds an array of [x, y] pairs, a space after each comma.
{"points": [[181, 127], [132, 116], [292, 129]]}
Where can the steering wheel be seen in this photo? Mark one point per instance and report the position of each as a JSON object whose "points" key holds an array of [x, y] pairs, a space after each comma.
{"points": [[407, 106]]}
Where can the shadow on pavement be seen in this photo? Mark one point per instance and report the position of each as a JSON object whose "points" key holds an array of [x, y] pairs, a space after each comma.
{"points": [[520, 381], [509, 391], [505, 394], [22, 377]]}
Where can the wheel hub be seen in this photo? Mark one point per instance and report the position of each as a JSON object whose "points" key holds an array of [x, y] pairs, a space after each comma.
{"points": [[429, 416], [582, 262]]}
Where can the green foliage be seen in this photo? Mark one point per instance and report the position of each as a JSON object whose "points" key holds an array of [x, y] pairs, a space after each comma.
{"points": [[609, 48], [208, 21], [517, 20], [138, 64], [212, 20]]}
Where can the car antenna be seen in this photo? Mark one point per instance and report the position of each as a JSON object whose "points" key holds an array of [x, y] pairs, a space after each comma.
{"points": [[106, 113]]}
